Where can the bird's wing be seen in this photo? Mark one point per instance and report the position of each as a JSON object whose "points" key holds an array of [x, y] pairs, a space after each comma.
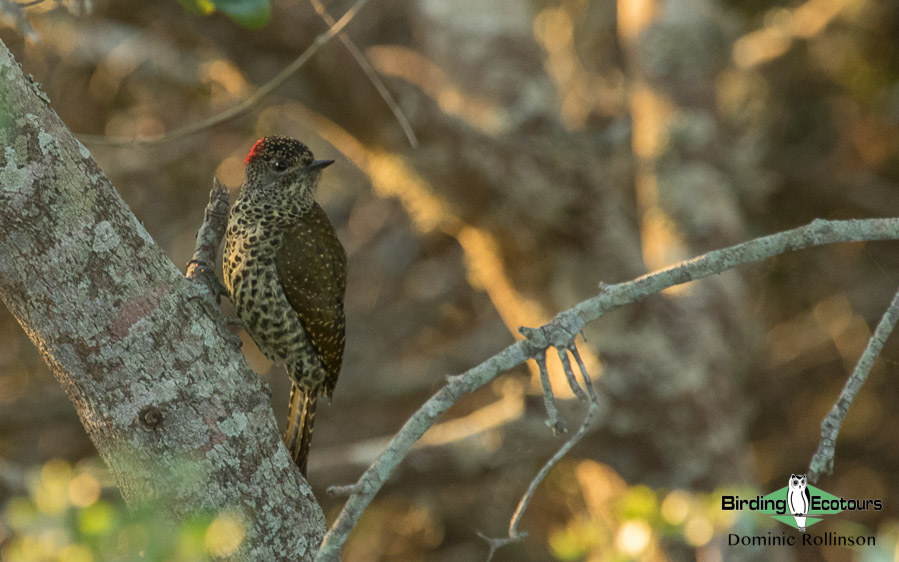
{"points": [[312, 269]]}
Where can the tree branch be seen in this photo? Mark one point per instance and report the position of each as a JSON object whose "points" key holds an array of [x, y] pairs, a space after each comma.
{"points": [[561, 331], [593, 409], [822, 461], [371, 73], [243, 106]]}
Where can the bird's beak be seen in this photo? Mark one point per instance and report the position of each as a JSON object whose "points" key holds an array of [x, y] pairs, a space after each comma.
{"points": [[319, 164]]}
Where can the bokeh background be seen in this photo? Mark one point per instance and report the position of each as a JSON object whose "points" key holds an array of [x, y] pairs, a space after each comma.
{"points": [[560, 144]]}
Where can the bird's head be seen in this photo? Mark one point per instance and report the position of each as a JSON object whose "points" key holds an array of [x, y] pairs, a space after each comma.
{"points": [[283, 165]]}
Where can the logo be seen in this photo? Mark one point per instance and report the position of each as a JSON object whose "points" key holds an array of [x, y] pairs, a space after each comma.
{"points": [[798, 497], [799, 505]]}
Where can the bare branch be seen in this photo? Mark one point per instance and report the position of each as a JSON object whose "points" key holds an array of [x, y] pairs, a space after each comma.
{"points": [[243, 106], [553, 422], [822, 461], [537, 338], [592, 412], [344, 491], [817, 233], [569, 374], [379, 471], [561, 331], [588, 382], [372, 75], [27, 4], [499, 542]]}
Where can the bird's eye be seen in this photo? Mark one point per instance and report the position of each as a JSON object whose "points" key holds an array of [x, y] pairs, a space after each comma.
{"points": [[279, 165]]}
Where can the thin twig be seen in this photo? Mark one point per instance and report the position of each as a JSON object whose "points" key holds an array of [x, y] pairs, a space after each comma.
{"points": [[588, 381], [498, 542], [372, 75], [342, 491], [380, 470], [822, 461], [552, 413], [592, 411], [243, 106], [569, 374], [570, 322]]}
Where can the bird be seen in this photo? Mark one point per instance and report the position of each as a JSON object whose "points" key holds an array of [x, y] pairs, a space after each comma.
{"points": [[285, 272]]}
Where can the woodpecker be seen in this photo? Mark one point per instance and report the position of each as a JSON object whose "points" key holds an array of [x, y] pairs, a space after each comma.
{"points": [[285, 271]]}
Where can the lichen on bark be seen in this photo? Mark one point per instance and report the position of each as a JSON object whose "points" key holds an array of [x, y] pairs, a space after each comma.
{"points": [[143, 354]]}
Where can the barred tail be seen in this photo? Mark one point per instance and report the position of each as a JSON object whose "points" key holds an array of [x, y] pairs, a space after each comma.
{"points": [[300, 417]]}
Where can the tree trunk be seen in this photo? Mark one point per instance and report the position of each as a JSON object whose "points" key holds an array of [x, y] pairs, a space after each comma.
{"points": [[144, 355]]}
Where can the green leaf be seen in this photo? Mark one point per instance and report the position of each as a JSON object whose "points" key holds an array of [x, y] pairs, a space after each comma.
{"points": [[249, 13], [204, 7]]}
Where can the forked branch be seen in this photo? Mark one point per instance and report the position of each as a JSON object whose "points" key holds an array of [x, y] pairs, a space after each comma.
{"points": [[560, 332], [593, 409]]}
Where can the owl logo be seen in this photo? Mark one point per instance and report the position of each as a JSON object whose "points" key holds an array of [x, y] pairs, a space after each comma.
{"points": [[798, 499]]}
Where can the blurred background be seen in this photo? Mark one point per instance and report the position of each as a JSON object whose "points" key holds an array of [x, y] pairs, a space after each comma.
{"points": [[560, 144]]}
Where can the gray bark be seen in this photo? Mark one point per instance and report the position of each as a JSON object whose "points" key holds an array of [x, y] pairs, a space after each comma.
{"points": [[144, 355]]}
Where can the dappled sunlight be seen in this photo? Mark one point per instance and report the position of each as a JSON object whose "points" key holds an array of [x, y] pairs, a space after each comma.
{"points": [[115, 66], [698, 530], [416, 69], [559, 144], [508, 408], [225, 534], [632, 521], [634, 16], [225, 74], [580, 90], [801, 335], [49, 487], [761, 46], [84, 490], [633, 538], [73, 513], [391, 176], [611, 519], [847, 329], [230, 171], [661, 241], [395, 527], [487, 272], [675, 507], [650, 134], [782, 26]]}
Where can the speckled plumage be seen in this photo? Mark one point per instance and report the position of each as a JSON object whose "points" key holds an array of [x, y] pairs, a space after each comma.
{"points": [[285, 271]]}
